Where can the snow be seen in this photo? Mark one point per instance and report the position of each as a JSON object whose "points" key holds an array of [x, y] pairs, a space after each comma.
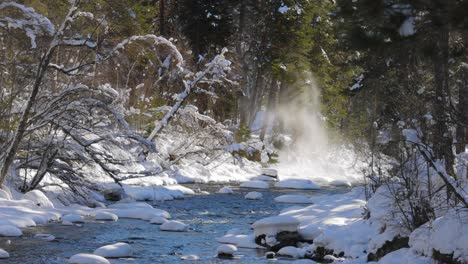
{"points": [[293, 198], [226, 249], [339, 183], [226, 190], [45, 237], [10, 231], [38, 198], [407, 28], [190, 257], [158, 220], [87, 259], [292, 252], [5, 195], [4, 254], [254, 196], [175, 226], [263, 178], [270, 172], [73, 218], [297, 184], [117, 250], [155, 193], [273, 225], [106, 216], [404, 256], [240, 240], [255, 184], [283, 9], [304, 261]]}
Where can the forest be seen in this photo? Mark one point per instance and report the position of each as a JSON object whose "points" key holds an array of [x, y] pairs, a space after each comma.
{"points": [[175, 117]]}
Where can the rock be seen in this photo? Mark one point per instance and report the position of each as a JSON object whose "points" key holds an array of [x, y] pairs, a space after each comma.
{"points": [[270, 172], [158, 220], [106, 216], [255, 184], [10, 231], [294, 199], [226, 189], [4, 254], [389, 246], [38, 198], [175, 226], [189, 257], [292, 252], [226, 251], [270, 255], [87, 259], [114, 194], [117, 250], [72, 218], [253, 196], [45, 237]]}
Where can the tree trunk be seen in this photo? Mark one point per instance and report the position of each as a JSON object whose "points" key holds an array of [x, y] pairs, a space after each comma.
{"points": [[161, 18], [462, 125], [272, 94]]}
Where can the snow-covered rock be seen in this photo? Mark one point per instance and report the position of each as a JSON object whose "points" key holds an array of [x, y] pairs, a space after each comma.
{"points": [[292, 252], [263, 178], [87, 259], [270, 172], [106, 216], [273, 225], [297, 184], [117, 250], [38, 198], [158, 220], [253, 196], [190, 257], [241, 241], [226, 251], [175, 226], [10, 231], [293, 198], [226, 190], [4, 254], [255, 184], [73, 218]]}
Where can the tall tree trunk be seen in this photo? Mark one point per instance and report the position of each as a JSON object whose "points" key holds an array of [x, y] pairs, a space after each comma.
{"points": [[462, 126], [272, 94]]}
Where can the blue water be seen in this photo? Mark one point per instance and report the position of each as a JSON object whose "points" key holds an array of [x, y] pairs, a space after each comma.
{"points": [[208, 216]]}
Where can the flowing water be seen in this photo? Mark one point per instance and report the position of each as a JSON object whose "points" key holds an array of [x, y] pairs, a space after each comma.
{"points": [[209, 217]]}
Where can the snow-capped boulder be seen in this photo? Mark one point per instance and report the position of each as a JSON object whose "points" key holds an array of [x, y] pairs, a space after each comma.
{"points": [[4, 254], [174, 226], [253, 196], [270, 255], [255, 184], [270, 172], [294, 199], [72, 218], [87, 259], [263, 178], [273, 225], [297, 184], [38, 198], [190, 257], [226, 251], [117, 250], [158, 220], [292, 252], [226, 190], [106, 216], [10, 231]]}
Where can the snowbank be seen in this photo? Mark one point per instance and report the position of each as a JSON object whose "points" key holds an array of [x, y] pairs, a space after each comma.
{"points": [[297, 184], [255, 184], [293, 198]]}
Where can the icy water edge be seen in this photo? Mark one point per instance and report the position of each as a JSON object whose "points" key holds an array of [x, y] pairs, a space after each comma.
{"points": [[208, 216]]}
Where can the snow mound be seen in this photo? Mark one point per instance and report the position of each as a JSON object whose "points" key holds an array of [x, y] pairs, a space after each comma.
{"points": [[255, 184], [190, 257], [158, 220], [10, 231], [117, 250], [87, 259], [253, 196], [174, 226], [155, 193], [106, 216], [292, 252], [270, 172], [404, 256], [4, 254], [38, 198], [297, 184], [73, 218], [226, 190], [294, 199], [226, 249], [273, 225]]}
